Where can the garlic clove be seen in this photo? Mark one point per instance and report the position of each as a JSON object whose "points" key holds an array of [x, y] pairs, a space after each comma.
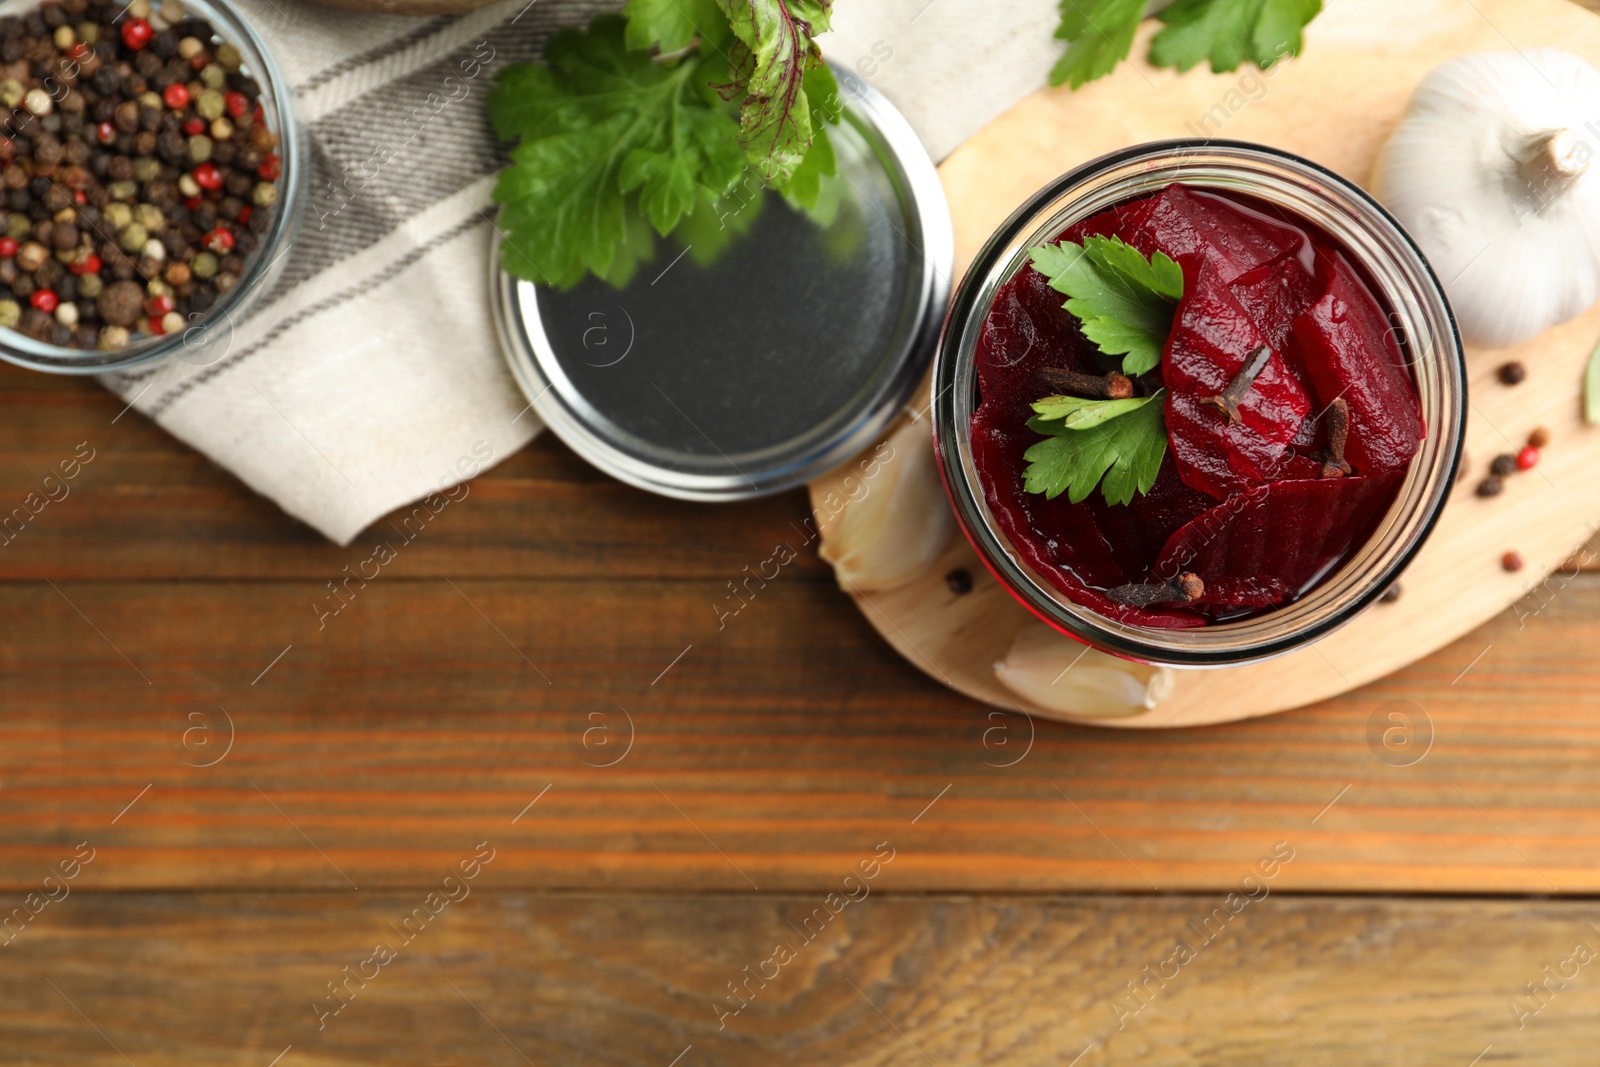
{"points": [[900, 523], [1489, 172], [1057, 674]]}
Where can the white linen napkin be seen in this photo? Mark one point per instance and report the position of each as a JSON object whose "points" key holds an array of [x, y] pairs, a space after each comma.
{"points": [[370, 376]]}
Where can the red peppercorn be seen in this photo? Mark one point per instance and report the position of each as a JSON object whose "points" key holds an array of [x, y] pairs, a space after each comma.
{"points": [[191, 203], [176, 96], [136, 34], [45, 300], [207, 176], [78, 51], [260, 115], [271, 167], [105, 133], [194, 127], [1511, 561], [159, 306], [200, 62], [1527, 458], [219, 241], [89, 264], [8, 247], [244, 214], [237, 103], [80, 197], [153, 324]]}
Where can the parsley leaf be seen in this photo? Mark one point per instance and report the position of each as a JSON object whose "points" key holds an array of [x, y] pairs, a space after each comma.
{"points": [[1228, 32], [673, 25], [1124, 300], [597, 124], [1079, 413], [1100, 33], [773, 50], [1124, 447]]}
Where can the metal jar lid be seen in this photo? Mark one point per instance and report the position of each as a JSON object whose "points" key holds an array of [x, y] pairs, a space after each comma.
{"points": [[734, 375]]}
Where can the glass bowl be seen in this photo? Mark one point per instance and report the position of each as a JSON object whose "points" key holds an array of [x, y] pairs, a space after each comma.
{"points": [[1400, 277], [205, 337]]}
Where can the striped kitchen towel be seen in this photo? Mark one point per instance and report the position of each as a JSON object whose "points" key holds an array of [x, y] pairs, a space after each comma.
{"points": [[370, 376]]}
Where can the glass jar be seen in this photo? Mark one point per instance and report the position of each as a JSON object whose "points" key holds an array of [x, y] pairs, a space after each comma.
{"points": [[206, 338], [1399, 276]]}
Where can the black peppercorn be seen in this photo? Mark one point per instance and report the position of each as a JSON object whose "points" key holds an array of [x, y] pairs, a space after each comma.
{"points": [[1490, 486], [1512, 373], [1391, 594], [959, 581], [1504, 465]]}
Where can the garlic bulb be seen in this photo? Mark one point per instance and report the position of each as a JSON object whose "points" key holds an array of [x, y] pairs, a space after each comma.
{"points": [[1490, 171], [1058, 674], [895, 522]]}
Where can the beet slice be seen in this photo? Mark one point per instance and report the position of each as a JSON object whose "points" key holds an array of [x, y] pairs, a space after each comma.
{"points": [[1137, 531], [1274, 295], [1222, 234], [1349, 351], [1212, 339], [1274, 542]]}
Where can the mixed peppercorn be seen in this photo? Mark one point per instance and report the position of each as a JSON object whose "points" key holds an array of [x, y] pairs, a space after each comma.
{"points": [[139, 172]]}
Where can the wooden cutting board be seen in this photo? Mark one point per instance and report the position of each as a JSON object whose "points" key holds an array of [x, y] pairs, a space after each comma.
{"points": [[1336, 104]]}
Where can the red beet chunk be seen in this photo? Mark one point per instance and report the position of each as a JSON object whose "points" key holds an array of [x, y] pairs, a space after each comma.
{"points": [[1137, 531], [1349, 351], [1223, 235], [1274, 296], [1274, 542], [1212, 339]]}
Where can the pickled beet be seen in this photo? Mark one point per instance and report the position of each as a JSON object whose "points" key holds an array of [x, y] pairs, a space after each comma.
{"points": [[1240, 503], [1274, 542], [1350, 351], [1212, 339]]}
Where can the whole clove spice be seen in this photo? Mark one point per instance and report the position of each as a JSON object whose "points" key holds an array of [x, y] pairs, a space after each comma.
{"points": [[1113, 386], [1184, 589], [1333, 461], [1237, 389]]}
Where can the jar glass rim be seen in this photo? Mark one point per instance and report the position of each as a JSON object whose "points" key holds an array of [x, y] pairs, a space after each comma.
{"points": [[266, 260], [1381, 247]]}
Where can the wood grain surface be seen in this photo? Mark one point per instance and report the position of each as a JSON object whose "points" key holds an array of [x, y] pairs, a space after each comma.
{"points": [[510, 644], [512, 978]]}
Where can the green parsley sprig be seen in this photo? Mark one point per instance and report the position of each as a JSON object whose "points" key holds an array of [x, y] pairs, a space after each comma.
{"points": [[1125, 304], [1124, 301], [1226, 32], [654, 116], [1116, 444]]}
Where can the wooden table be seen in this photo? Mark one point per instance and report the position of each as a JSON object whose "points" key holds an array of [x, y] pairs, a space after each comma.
{"points": [[666, 821]]}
